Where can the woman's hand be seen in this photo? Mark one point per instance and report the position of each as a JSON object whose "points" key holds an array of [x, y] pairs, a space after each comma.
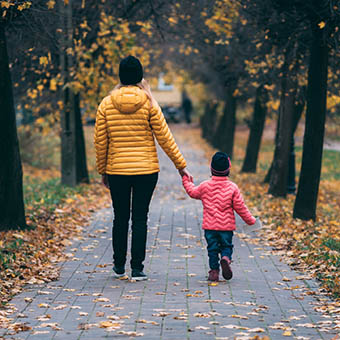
{"points": [[145, 85], [185, 172], [118, 86], [105, 181]]}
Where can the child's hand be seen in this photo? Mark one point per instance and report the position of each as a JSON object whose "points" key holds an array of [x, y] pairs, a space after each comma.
{"points": [[185, 172], [191, 179]]}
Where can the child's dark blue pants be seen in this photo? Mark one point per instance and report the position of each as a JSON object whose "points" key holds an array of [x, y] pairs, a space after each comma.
{"points": [[219, 242]]}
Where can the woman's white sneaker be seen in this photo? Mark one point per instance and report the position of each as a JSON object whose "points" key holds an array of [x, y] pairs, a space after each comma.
{"points": [[118, 272], [138, 275]]}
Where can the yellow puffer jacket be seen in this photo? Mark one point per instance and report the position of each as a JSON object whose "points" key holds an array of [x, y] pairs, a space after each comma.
{"points": [[124, 134]]}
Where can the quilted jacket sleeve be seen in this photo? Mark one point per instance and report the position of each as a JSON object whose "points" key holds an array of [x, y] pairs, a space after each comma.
{"points": [[240, 207], [101, 139], [191, 189], [164, 137]]}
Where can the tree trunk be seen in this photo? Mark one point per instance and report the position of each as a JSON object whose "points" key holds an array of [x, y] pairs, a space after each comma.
{"points": [[270, 170], [256, 130], [211, 122], [297, 116], [203, 119], [12, 211], [73, 157], [279, 174], [208, 120], [68, 141], [306, 199], [82, 173], [298, 109], [224, 136]]}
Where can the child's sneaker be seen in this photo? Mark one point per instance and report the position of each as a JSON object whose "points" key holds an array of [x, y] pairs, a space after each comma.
{"points": [[226, 270], [213, 275]]}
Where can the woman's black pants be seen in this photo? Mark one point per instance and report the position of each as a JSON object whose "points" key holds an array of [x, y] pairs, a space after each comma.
{"points": [[140, 188]]}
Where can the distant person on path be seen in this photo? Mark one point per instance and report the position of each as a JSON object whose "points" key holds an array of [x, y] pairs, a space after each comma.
{"points": [[187, 107], [220, 197], [127, 121]]}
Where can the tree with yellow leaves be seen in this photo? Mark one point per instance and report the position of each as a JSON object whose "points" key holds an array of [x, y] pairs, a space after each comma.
{"points": [[12, 212], [310, 27]]}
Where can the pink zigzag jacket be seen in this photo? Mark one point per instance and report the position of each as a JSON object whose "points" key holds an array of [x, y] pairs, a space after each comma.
{"points": [[220, 197]]}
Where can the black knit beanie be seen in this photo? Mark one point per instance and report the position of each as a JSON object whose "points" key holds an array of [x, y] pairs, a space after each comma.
{"points": [[220, 164], [130, 71]]}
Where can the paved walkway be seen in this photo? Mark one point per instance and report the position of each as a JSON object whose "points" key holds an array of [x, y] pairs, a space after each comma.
{"points": [[265, 298]]}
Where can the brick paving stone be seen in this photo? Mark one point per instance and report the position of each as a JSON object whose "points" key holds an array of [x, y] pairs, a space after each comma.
{"points": [[176, 302]]}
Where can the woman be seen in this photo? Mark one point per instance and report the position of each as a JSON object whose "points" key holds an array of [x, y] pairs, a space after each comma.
{"points": [[127, 121]]}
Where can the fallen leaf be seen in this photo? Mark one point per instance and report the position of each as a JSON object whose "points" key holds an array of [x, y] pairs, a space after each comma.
{"points": [[161, 314], [109, 324], [256, 330], [202, 327], [60, 307], [130, 333], [234, 327], [86, 326], [307, 325], [287, 279], [202, 315], [40, 332], [239, 316], [44, 317], [102, 299], [43, 305]]}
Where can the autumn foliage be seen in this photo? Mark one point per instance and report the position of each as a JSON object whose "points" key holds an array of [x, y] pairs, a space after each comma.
{"points": [[223, 50]]}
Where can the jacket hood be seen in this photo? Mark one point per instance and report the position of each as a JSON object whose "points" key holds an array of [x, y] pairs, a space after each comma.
{"points": [[128, 99]]}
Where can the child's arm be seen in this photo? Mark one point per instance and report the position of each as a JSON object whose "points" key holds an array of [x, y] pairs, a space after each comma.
{"points": [[190, 188], [240, 207]]}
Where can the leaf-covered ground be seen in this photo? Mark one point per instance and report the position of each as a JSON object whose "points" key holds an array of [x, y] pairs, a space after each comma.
{"points": [[264, 300], [54, 214], [28, 256], [310, 246]]}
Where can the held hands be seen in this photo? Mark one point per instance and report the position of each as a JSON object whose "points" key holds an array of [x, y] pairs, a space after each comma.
{"points": [[105, 181], [185, 172]]}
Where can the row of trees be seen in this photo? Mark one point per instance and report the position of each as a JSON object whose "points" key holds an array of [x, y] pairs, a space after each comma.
{"points": [[271, 50], [59, 58]]}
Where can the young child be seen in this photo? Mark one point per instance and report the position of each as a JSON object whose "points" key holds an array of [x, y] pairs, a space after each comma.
{"points": [[220, 197]]}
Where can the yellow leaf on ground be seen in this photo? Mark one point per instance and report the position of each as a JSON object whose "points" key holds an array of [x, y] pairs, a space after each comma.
{"points": [[256, 330], [50, 4], [239, 316], [321, 24], [109, 324], [286, 279]]}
